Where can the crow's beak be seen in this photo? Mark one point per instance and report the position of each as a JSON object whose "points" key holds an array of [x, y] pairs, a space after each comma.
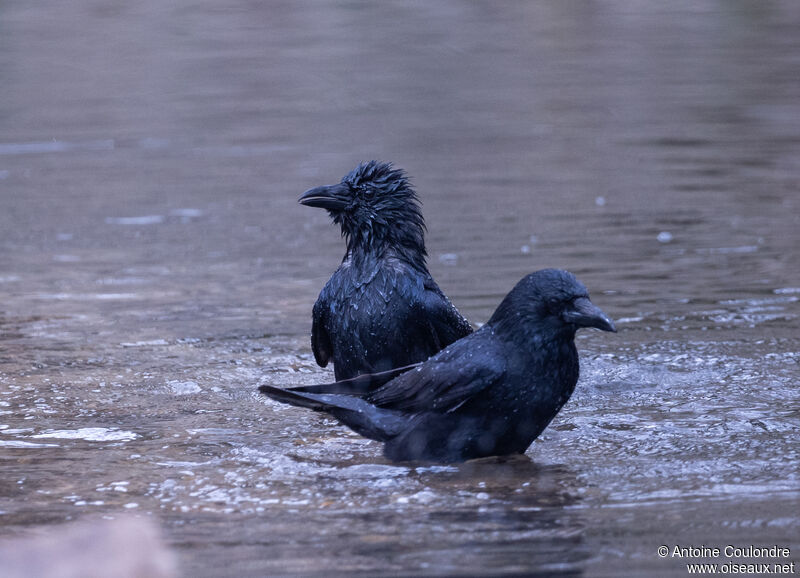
{"points": [[584, 313], [331, 197]]}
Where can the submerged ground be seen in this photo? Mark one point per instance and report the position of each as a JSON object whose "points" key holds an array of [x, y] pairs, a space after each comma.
{"points": [[155, 268]]}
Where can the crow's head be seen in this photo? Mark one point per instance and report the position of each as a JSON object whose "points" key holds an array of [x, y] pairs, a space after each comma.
{"points": [[553, 301], [374, 204]]}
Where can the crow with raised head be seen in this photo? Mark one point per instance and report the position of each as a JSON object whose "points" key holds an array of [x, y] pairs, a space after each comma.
{"points": [[490, 393], [381, 310]]}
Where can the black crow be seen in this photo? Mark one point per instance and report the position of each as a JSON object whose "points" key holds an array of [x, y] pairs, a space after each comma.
{"points": [[490, 393], [381, 309]]}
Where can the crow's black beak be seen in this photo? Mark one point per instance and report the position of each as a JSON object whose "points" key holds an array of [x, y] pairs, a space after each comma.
{"points": [[331, 197], [584, 313]]}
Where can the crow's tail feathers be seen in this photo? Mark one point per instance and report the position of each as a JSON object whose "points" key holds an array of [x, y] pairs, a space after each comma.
{"points": [[362, 417], [358, 385], [294, 398]]}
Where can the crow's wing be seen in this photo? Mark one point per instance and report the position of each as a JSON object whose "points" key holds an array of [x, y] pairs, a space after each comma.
{"points": [[448, 379], [447, 324], [320, 340], [359, 385]]}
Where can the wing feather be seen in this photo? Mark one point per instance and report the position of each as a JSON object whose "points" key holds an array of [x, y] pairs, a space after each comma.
{"points": [[446, 380], [320, 340], [447, 324]]}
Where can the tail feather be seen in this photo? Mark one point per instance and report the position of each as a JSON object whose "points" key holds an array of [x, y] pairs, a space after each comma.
{"points": [[362, 417], [293, 398], [358, 385]]}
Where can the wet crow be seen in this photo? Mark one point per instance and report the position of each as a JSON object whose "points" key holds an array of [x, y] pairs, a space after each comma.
{"points": [[490, 393], [381, 309]]}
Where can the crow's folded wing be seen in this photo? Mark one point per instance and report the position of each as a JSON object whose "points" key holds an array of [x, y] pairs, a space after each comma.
{"points": [[447, 324], [447, 380], [320, 340], [359, 385]]}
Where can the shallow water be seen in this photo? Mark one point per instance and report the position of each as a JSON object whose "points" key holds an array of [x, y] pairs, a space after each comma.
{"points": [[156, 268]]}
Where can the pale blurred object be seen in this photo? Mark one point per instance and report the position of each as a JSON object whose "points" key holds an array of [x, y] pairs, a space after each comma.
{"points": [[123, 548]]}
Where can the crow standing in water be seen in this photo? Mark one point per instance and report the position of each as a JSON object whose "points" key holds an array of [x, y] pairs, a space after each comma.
{"points": [[381, 310], [490, 393]]}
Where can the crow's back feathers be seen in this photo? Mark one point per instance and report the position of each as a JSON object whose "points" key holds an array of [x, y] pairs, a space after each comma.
{"points": [[384, 317]]}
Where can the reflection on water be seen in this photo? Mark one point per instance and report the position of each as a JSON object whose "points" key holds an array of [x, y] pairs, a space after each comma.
{"points": [[155, 269]]}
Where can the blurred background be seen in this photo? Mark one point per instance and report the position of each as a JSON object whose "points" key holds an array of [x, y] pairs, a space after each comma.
{"points": [[155, 267]]}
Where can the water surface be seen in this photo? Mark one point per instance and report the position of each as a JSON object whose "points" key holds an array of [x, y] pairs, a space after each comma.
{"points": [[156, 268]]}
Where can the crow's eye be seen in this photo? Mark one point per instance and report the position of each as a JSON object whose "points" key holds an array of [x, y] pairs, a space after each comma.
{"points": [[557, 307]]}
